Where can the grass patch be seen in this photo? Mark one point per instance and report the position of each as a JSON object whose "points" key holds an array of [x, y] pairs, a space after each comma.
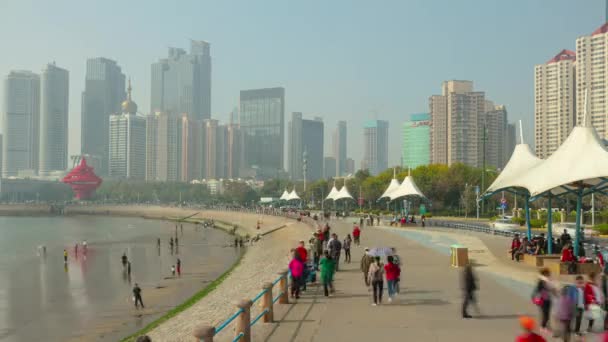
{"points": [[187, 304]]}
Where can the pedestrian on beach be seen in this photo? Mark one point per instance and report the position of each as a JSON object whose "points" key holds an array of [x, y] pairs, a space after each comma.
{"points": [[357, 235], [346, 245], [176, 243], [137, 296], [542, 298], [327, 266], [241, 242], [179, 267], [173, 270], [335, 248], [296, 267], [566, 307], [375, 277], [469, 286], [171, 243], [580, 303], [317, 248], [236, 242], [302, 252], [528, 325], [129, 268], [65, 256], [366, 261], [158, 242], [392, 272], [124, 259]]}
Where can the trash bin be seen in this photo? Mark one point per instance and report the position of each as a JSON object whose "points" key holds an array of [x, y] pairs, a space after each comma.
{"points": [[460, 255]]}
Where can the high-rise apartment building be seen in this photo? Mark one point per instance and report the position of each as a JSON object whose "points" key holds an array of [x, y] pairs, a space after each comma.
{"points": [[181, 83], [458, 118], [234, 151], [191, 149], [54, 99], [416, 148], [127, 142], [305, 144], [496, 136], [262, 121], [20, 123], [214, 136], [375, 151], [329, 167], [350, 166], [510, 142], [554, 102], [103, 94], [340, 148], [163, 147]]}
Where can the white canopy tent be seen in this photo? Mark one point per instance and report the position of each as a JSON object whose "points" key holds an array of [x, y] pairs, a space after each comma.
{"points": [[293, 195], [407, 188], [284, 195], [332, 194], [392, 186], [343, 194]]}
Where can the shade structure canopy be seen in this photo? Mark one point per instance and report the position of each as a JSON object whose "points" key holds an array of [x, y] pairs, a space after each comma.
{"points": [[284, 195], [393, 185], [522, 160], [343, 194], [407, 188], [332, 194], [293, 195], [579, 164]]}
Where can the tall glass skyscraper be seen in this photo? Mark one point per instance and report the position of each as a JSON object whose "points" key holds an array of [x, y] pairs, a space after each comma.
{"points": [[262, 120], [181, 83], [375, 153], [305, 136], [103, 94], [416, 148], [53, 120], [20, 123], [339, 147]]}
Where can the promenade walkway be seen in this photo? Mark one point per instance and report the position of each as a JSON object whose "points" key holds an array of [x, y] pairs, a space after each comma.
{"points": [[428, 308]]}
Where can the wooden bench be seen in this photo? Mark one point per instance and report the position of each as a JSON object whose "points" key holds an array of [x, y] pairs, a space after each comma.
{"points": [[585, 268], [539, 260]]}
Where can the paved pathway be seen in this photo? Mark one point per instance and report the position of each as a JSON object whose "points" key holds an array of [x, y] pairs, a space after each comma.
{"points": [[428, 308]]}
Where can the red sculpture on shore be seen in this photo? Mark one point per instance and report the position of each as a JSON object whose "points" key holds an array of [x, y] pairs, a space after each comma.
{"points": [[83, 180]]}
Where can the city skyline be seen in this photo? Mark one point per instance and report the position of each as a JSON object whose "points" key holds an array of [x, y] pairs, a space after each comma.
{"points": [[504, 75]]}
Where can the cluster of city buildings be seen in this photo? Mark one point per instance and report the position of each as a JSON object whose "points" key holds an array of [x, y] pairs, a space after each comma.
{"points": [[564, 85]]}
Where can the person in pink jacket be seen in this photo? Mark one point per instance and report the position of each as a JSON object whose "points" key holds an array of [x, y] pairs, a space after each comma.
{"points": [[296, 267]]}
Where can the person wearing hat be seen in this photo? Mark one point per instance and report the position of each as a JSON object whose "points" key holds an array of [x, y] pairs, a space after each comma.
{"points": [[366, 261], [528, 325]]}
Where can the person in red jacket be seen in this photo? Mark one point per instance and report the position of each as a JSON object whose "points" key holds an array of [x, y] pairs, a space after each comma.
{"points": [[302, 252], [528, 325], [567, 255], [393, 272], [356, 234], [593, 296], [515, 244]]}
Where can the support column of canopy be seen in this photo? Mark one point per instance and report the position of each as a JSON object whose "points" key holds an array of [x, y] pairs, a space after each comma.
{"points": [[528, 225], [579, 205], [549, 225]]}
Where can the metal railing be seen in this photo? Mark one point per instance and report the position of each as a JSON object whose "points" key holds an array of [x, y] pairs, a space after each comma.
{"points": [[474, 227]]}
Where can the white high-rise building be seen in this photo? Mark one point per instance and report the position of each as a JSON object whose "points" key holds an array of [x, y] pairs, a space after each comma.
{"points": [[127, 155], [53, 150], [554, 110], [20, 123], [592, 76]]}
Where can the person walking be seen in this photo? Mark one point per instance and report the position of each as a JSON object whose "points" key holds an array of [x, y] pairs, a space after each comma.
{"points": [[357, 235], [392, 272], [158, 243], [594, 299], [366, 261], [335, 248], [296, 267], [580, 303], [528, 325], [327, 273], [137, 296], [179, 267], [171, 242], [469, 286], [124, 259], [346, 245], [375, 277], [317, 248], [542, 297], [565, 312], [129, 269], [65, 256]]}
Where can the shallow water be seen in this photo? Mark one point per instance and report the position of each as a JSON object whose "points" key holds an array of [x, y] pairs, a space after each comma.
{"points": [[89, 298]]}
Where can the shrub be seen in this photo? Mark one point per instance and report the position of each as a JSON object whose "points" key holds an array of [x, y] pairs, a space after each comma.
{"points": [[601, 228], [519, 220], [535, 223]]}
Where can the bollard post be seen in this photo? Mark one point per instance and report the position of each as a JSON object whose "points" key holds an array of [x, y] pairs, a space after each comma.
{"points": [[243, 320], [267, 303], [204, 333], [284, 299]]}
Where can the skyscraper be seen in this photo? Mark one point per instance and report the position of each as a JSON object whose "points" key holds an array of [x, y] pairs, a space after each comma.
{"points": [[496, 136], [375, 152], [103, 94], [127, 145], [329, 167], [163, 147], [181, 83], [234, 151], [456, 124], [416, 148], [305, 137], [262, 121], [20, 123], [340, 148], [554, 102], [510, 142], [214, 163], [53, 148], [191, 149], [350, 166]]}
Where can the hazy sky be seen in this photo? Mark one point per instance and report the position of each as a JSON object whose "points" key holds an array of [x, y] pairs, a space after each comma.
{"points": [[342, 60]]}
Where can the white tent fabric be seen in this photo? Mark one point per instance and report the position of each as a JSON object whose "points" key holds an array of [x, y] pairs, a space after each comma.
{"points": [[284, 195], [520, 162], [343, 193], [332, 193], [293, 195], [407, 188], [391, 187], [581, 159]]}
